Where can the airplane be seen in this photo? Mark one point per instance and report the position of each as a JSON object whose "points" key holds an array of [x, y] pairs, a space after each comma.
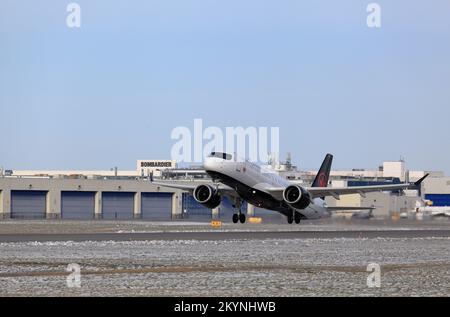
{"points": [[433, 211], [244, 181]]}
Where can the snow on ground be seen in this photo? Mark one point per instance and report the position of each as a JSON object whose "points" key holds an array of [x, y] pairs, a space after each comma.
{"points": [[276, 267]]}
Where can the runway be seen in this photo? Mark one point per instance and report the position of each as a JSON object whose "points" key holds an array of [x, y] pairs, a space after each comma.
{"points": [[138, 258], [225, 235]]}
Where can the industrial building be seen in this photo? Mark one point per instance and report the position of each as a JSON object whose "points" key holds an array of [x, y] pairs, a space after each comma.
{"points": [[34, 198], [110, 194], [437, 190], [116, 194]]}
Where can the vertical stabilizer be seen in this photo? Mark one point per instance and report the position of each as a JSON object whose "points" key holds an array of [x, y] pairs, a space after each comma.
{"points": [[323, 175]]}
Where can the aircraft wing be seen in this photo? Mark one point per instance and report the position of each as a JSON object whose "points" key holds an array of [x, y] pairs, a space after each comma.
{"points": [[190, 186], [335, 192]]}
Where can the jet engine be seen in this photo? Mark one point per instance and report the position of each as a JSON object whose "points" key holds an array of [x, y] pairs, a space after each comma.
{"points": [[297, 197], [207, 196]]}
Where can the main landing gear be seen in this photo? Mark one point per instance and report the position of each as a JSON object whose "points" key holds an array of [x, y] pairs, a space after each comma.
{"points": [[295, 216], [239, 216]]}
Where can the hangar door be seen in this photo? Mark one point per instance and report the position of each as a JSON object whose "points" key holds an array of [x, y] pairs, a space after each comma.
{"points": [[77, 205], [28, 204], [194, 210], [156, 206], [117, 205]]}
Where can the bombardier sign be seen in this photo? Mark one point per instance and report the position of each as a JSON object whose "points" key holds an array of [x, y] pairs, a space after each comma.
{"points": [[146, 166], [157, 164]]}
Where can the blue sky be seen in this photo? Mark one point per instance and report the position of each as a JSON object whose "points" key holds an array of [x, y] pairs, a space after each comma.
{"points": [[111, 92]]}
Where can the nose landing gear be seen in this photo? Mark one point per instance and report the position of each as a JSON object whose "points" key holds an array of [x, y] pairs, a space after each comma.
{"points": [[239, 216]]}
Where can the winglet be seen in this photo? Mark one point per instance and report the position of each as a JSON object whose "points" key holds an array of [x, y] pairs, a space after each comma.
{"points": [[421, 180]]}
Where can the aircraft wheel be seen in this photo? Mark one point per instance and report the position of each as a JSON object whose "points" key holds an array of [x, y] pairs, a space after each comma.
{"points": [[242, 218], [290, 219], [297, 218], [235, 218]]}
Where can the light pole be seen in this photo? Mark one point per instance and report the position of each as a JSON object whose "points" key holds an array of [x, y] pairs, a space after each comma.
{"points": [[115, 171]]}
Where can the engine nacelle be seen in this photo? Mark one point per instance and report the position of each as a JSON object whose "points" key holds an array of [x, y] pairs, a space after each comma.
{"points": [[207, 196], [297, 197]]}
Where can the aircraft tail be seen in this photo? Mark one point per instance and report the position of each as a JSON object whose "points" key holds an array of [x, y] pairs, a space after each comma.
{"points": [[323, 175]]}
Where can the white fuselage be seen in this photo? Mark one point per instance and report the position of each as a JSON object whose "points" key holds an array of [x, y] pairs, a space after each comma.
{"points": [[258, 180]]}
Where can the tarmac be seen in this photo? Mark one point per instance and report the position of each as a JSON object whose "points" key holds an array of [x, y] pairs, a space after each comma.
{"points": [[138, 258], [223, 235]]}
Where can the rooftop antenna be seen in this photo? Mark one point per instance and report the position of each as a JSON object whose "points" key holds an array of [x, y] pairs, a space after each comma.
{"points": [[115, 171], [289, 161]]}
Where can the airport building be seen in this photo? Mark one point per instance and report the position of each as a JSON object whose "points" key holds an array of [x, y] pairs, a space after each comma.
{"points": [[109, 194], [117, 194], [437, 190], [434, 191]]}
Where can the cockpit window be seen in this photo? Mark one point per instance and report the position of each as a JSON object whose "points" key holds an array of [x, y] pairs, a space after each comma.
{"points": [[221, 155]]}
